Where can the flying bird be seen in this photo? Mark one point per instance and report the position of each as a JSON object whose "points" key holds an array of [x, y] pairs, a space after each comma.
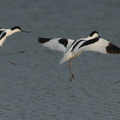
{"points": [[73, 48], [4, 33]]}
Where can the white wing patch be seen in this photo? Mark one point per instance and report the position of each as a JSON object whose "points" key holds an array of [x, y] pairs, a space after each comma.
{"points": [[59, 44], [99, 46]]}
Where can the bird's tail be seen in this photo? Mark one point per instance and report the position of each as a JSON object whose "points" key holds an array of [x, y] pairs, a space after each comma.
{"points": [[65, 58]]}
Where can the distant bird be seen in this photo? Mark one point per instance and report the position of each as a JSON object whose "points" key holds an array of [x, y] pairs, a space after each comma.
{"points": [[4, 33], [73, 48]]}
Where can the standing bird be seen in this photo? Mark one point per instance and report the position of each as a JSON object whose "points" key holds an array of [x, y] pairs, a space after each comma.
{"points": [[4, 33], [73, 48]]}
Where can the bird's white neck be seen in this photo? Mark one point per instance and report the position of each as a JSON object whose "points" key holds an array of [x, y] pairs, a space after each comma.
{"points": [[10, 32]]}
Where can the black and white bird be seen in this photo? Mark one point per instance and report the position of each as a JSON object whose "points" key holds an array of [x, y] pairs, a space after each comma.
{"points": [[4, 33], [73, 48]]}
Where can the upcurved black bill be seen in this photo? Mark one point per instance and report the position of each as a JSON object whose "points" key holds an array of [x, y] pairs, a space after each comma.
{"points": [[25, 31]]}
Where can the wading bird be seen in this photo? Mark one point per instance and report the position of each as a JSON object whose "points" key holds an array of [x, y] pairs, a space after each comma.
{"points": [[4, 33], [73, 48]]}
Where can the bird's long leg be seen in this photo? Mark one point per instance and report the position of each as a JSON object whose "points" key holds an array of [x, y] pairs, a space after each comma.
{"points": [[72, 74], [13, 52], [8, 61], [6, 54], [4, 50]]}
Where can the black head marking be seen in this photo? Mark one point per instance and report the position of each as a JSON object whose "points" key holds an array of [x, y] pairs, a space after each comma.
{"points": [[43, 40], [16, 27], [92, 33], [63, 41]]}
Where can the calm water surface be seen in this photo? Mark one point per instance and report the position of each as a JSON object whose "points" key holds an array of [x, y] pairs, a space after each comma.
{"points": [[37, 87]]}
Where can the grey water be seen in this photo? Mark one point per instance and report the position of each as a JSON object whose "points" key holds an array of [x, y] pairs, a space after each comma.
{"points": [[37, 87]]}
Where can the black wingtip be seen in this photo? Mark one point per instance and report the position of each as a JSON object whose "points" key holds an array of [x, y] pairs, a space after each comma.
{"points": [[112, 49], [43, 40]]}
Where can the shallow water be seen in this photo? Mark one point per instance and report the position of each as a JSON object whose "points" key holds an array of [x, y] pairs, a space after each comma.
{"points": [[37, 87]]}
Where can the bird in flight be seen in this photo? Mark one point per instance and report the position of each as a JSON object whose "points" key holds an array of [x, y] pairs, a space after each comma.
{"points": [[4, 33], [73, 48]]}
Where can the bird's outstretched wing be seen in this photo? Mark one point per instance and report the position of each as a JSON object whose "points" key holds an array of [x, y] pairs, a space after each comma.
{"points": [[100, 45], [92, 43], [59, 44]]}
